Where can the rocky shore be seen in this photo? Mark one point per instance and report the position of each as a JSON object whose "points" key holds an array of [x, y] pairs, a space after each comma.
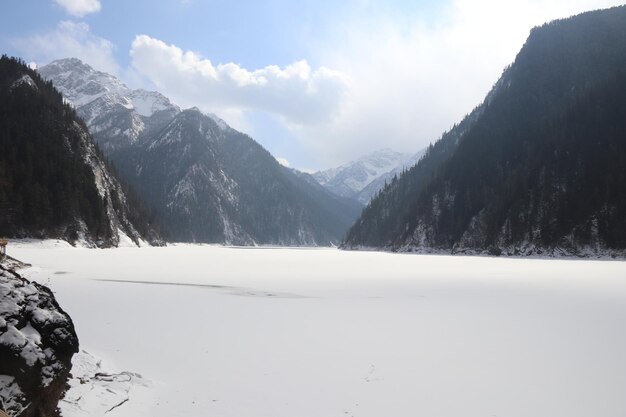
{"points": [[37, 342]]}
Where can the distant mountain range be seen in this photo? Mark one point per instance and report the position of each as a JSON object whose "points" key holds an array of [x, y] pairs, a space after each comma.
{"points": [[362, 178], [539, 168], [206, 181], [53, 180]]}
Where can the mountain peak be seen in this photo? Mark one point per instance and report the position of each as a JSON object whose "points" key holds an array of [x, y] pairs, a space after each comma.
{"points": [[70, 62], [79, 83], [193, 109], [116, 115], [147, 103], [361, 178]]}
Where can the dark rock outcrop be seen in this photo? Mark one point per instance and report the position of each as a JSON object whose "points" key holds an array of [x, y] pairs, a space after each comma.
{"points": [[37, 342]]}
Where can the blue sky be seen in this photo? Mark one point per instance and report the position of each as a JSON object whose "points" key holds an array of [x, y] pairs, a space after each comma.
{"points": [[252, 33], [316, 82]]}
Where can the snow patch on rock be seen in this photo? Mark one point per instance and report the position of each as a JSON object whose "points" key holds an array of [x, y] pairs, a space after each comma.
{"points": [[24, 79], [11, 396]]}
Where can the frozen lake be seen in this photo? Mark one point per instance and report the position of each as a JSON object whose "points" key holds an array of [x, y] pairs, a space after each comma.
{"points": [[234, 332]]}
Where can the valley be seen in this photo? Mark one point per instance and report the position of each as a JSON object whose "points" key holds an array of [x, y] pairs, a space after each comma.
{"points": [[255, 213]]}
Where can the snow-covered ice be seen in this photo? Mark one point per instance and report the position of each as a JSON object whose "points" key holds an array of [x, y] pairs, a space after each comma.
{"points": [[95, 391], [268, 332]]}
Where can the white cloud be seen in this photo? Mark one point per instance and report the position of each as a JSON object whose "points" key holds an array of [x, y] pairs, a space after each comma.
{"points": [[79, 8], [69, 39], [297, 93]]}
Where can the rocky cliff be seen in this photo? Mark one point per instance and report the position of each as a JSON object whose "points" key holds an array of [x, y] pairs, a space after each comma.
{"points": [[37, 342]]}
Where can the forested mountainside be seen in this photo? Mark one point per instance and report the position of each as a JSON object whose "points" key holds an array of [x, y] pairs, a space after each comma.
{"points": [[538, 168], [205, 180], [54, 182]]}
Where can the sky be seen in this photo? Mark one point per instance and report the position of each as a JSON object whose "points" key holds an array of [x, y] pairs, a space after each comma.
{"points": [[316, 82]]}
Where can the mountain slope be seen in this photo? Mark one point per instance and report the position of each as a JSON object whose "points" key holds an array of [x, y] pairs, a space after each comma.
{"points": [[214, 184], [541, 167], [53, 181], [206, 181]]}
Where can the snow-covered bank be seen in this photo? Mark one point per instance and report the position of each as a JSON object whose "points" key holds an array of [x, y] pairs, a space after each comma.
{"points": [[315, 333]]}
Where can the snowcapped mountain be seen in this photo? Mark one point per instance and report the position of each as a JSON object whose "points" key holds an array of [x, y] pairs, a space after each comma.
{"points": [[205, 180], [116, 115], [362, 178]]}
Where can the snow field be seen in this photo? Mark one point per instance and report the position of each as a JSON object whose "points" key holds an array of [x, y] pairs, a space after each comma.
{"points": [[269, 332]]}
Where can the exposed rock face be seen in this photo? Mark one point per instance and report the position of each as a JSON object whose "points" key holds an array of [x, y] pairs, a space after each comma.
{"points": [[37, 342]]}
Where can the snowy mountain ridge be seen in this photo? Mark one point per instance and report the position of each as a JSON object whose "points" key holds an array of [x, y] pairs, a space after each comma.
{"points": [[362, 178], [80, 84], [116, 115]]}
